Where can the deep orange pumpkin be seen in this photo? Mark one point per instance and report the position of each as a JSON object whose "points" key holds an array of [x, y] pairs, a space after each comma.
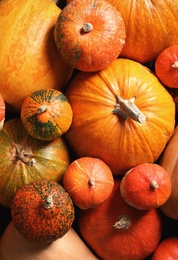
{"points": [[115, 230], [122, 118], [29, 59], [89, 35], [146, 186], [166, 66], [169, 161], [89, 181], [167, 249], [46, 114], [24, 159], [42, 211]]}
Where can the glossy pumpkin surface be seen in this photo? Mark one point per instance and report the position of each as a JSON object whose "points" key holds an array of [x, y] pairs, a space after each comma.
{"points": [[42, 211], [115, 230], [46, 114], [89, 35], [24, 159], [169, 162], [29, 60], [166, 66], [104, 124], [89, 181], [146, 186]]}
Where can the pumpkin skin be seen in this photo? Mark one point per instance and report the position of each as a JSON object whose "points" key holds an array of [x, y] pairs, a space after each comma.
{"points": [[166, 66], [169, 161], [14, 246], [100, 130], [46, 114], [89, 181], [2, 112], [167, 249], [24, 159], [29, 59], [46, 202], [89, 35], [146, 186], [108, 231]]}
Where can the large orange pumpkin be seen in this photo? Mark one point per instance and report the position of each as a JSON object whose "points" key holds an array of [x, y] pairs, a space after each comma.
{"points": [[29, 59], [122, 115]]}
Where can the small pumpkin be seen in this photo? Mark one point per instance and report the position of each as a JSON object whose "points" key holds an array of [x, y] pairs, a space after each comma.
{"points": [[89, 181], [115, 230], [169, 161], [146, 186], [29, 60], [124, 119], [89, 35], [167, 249], [24, 159], [166, 66], [14, 246], [42, 211], [2, 111], [46, 114]]}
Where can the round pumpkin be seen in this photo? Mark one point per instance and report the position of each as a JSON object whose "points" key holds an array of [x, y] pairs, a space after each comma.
{"points": [[42, 211], [122, 118], [29, 60], [146, 186], [89, 181], [25, 159], [89, 35], [115, 230], [169, 161], [46, 114], [167, 249]]}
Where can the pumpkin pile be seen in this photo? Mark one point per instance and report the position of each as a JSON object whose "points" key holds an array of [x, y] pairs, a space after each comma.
{"points": [[88, 129]]}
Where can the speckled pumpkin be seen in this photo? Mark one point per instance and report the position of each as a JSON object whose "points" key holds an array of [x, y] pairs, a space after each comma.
{"points": [[46, 114], [24, 159], [42, 211]]}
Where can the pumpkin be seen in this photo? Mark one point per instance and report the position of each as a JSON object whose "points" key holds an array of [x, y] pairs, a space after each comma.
{"points": [[146, 186], [46, 202], [124, 119], [89, 181], [29, 60], [14, 246], [167, 249], [24, 159], [115, 230], [46, 114], [89, 35], [2, 111], [166, 66], [169, 161]]}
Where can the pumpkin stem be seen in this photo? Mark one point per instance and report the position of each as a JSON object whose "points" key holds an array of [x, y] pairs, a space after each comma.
{"points": [[42, 109], [87, 27], [175, 65], [154, 184], [24, 154], [127, 108], [48, 203], [91, 182], [124, 222]]}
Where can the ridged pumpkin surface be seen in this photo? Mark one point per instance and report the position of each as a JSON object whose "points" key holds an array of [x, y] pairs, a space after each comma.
{"points": [[101, 126], [24, 159], [42, 211]]}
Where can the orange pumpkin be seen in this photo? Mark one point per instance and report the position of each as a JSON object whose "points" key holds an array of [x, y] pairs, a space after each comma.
{"points": [[46, 114], [122, 118], [146, 186], [25, 159], [89, 35], [169, 161], [29, 60], [42, 211], [89, 181]]}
